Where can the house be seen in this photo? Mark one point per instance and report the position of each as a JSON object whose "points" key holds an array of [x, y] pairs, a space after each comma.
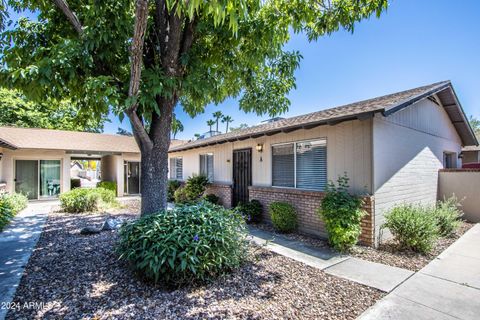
{"points": [[391, 148], [41, 162]]}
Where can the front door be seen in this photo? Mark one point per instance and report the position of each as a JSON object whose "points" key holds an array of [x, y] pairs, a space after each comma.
{"points": [[132, 177], [26, 178], [242, 175]]}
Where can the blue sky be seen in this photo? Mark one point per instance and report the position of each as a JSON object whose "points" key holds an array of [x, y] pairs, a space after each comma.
{"points": [[414, 43]]}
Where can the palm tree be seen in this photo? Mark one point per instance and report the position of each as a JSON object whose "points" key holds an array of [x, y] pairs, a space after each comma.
{"points": [[210, 123], [217, 115], [177, 127], [197, 136], [227, 120]]}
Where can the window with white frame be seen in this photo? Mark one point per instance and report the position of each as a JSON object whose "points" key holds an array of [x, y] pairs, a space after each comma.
{"points": [[176, 168], [301, 165], [206, 165]]}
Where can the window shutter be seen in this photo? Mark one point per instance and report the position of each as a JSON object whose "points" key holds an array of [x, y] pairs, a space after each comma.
{"points": [[179, 168], [283, 163], [312, 165], [172, 168], [210, 167]]}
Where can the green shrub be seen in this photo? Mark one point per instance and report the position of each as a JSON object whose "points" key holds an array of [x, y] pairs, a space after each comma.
{"points": [[10, 205], [251, 211], [342, 214], [109, 185], [187, 244], [212, 198], [447, 216], [86, 200], [75, 183], [414, 227], [79, 200], [193, 189], [106, 195], [173, 185], [283, 215]]}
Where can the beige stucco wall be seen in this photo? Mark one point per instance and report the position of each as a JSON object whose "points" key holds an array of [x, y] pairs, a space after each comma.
{"points": [[471, 156], [348, 150], [466, 187], [8, 164], [407, 154], [113, 169]]}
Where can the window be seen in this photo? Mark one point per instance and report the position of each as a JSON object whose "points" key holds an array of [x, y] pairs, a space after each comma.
{"points": [[449, 160], [176, 168], [206, 165], [301, 165]]}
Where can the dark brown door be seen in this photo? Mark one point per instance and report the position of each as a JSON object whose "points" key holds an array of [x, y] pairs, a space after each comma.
{"points": [[242, 175]]}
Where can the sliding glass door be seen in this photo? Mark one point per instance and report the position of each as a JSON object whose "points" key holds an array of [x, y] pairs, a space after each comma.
{"points": [[26, 178], [37, 178], [49, 178]]}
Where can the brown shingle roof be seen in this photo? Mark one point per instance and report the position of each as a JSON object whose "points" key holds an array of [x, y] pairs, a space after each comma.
{"points": [[385, 104], [23, 138]]}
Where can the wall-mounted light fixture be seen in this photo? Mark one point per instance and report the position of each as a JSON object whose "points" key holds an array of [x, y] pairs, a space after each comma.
{"points": [[259, 148]]}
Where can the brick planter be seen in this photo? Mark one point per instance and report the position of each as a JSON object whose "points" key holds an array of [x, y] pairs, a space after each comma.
{"points": [[307, 203], [223, 191]]}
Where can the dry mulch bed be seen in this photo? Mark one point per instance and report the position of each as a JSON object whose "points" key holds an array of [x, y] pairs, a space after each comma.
{"points": [[80, 277], [387, 253]]}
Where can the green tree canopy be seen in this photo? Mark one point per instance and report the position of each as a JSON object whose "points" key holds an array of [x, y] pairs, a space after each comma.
{"points": [[17, 111], [475, 124], [144, 57]]}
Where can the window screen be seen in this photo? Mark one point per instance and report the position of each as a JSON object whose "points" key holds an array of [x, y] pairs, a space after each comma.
{"points": [[283, 165], [311, 165], [301, 165], [206, 165], [176, 168]]}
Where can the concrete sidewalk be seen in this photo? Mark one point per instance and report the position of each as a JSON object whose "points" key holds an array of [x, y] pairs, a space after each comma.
{"points": [[376, 275], [447, 288], [17, 242]]}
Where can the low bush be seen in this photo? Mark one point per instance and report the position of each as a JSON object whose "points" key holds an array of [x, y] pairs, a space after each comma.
{"points": [[173, 186], [212, 198], [109, 185], [447, 215], [414, 227], [193, 190], [10, 205], [342, 214], [283, 215], [191, 243], [75, 183], [251, 211], [87, 200]]}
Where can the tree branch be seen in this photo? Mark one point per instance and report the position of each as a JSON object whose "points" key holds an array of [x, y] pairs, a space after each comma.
{"points": [[136, 55], [70, 15]]}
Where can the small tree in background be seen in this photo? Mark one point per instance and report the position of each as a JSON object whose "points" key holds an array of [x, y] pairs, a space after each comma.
{"points": [[143, 59], [475, 124], [177, 127], [210, 123], [217, 116], [227, 120]]}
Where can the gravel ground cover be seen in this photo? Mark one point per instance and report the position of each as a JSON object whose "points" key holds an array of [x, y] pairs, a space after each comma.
{"points": [[80, 277], [387, 253]]}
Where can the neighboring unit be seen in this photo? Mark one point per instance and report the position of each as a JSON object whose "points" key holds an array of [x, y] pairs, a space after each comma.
{"points": [[391, 148]]}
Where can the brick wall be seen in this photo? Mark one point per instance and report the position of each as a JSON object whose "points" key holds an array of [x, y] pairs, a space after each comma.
{"points": [[306, 204], [223, 191]]}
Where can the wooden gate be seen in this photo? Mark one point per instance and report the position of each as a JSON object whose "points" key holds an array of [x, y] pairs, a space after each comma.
{"points": [[242, 175]]}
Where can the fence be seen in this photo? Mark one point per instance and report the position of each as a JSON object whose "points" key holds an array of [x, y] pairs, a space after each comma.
{"points": [[465, 185]]}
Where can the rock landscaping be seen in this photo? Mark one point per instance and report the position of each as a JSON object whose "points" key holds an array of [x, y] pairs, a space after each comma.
{"points": [[387, 253], [77, 276]]}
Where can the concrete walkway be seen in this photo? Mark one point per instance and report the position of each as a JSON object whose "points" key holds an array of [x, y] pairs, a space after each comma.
{"points": [[371, 274], [17, 242], [447, 288]]}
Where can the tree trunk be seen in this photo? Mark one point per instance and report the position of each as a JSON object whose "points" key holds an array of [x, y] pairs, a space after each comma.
{"points": [[154, 174]]}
